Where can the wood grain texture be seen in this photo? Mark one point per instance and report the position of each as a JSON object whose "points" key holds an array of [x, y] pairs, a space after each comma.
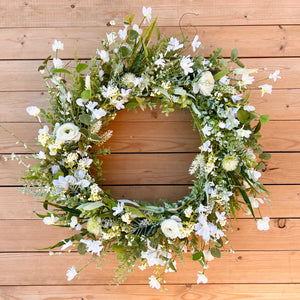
{"points": [[42, 269], [283, 104], [160, 136], [267, 41], [34, 234], [15, 205], [168, 168], [98, 13], [141, 292]]}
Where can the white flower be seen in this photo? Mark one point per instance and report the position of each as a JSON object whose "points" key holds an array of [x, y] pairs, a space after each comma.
{"points": [[104, 55], [147, 14], [171, 228], [246, 79], [111, 37], [207, 130], [201, 278], [98, 113], [243, 133], [205, 84], [255, 201], [123, 33], [160, 61], [127, 218], [68, 132], [73, 222], [248, 107], [50, 220], [225, 80], [87, 82], [57, 63], [253, 174], [154, 283], [206, 146], [207, 255], [81, 102], [95, 247], [66, 245], [236, 98], [263, 224], [41, 155], [71, 273], [62, 183], [53, 147], [57, 45], [33, 111], [186, 65], [119, 104], [118, 209], [54, 169], [188, 211], [221, 218], [173, 44], [230, 163], [266, 88], [202, 228], [112, 22], [222, 125], [275, 75], [137, 29], [196, 44]]}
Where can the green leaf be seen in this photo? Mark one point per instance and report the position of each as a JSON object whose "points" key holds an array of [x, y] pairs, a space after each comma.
{"points": [[264, 119], [117, 248], [90, 205], [81, 248], [81, 67], [128, 19], [171, 265], [85, 119], [234, 54], [61, 71], [197, 256], [220, 74], [257, 127], [86, 94], [145, 50], [239, 63], [132, 35], [124, 51], [179, 91], [151, 28], [260, 166], [243, 116], [95, 137], [265, 156], [215, 252], [135, 211], [77, 237], [158, 33]]}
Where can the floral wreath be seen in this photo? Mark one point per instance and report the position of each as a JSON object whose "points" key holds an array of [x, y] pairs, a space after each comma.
{"points": [[129, 72]]}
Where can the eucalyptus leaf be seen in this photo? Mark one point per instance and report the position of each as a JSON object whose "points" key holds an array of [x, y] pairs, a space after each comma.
{"points": [[81, 67], [86, 94], [81, 248], [90, 206], [215, 252], [85, 119], [265, 156], [264, 119]]}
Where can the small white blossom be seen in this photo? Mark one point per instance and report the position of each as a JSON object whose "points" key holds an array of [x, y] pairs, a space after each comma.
{"points": [[57, 63], [174, 44], [112, 22], [255, 201], [196, 44], [104, 56], [208, 256], [41, 155], [87, 82], [236, 98], [246, 79], [248, 107], [188, 211], [275, 75], [57, 45], [263, 224], [160, 61], [225, 80], [266, 88], [206, 147], [95, 247], [111, 37], [137, 29], [243, 133], [186, 64], [207, 130], [123, 34], [118, 209], [73, 222], [66, 245], [221, 218], [154, 283], [33, 111], [98, 113], [201, 278], [50, 220], [81, 102], [71, 273], [147, 14]]}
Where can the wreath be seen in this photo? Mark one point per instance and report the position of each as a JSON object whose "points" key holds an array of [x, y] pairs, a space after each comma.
{"points": [[128, 73]]}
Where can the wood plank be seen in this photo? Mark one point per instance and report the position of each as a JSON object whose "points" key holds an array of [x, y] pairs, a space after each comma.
{"points": [[144, 169], [35, 43], [142, 292], [30, 235], [283, 104], [15, 205], [155, 136], [42, 269], [97, 13], [23, 75]]}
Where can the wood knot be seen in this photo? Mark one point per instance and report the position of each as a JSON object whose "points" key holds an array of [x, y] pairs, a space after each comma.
{"points": [[281, 223], [239, 257], [72, 5]]}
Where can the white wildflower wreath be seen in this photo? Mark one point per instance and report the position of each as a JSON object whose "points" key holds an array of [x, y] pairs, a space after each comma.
{"points": [[130, 72]]}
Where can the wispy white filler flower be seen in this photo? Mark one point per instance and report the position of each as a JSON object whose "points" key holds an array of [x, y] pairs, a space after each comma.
{"points": [[263, 224], [57, 45], [266, 88], [147, 12], [275, 75], [71, 273], [154, 283], [196, 44]]}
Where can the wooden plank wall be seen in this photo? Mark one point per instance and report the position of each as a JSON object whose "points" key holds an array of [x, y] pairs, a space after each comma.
{"points": [[151, 153]]}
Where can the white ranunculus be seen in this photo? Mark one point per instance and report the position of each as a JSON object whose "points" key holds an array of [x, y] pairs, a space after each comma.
{"points": [[205, 84], [68, 132], [170, 228]]}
